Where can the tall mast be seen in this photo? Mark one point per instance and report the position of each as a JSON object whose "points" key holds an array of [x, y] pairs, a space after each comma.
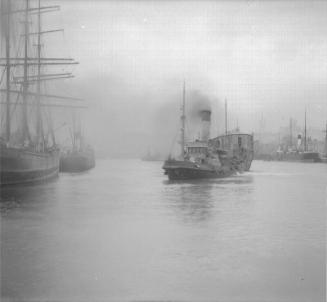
{"points": [[8, 11], [226, 116], [74, 131], [25, 79], [326, 140], [183, 123], [305, 129], [291, 132], [38, 82]]}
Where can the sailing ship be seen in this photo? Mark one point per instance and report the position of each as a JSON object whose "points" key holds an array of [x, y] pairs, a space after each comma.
{"points": [[80, 156], [300, 152], [25, 155], [219, 157]]}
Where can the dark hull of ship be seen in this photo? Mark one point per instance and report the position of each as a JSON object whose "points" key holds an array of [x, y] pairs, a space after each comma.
{"points": [[182, 170], [77, 162], [20, 166], [243, 164]]}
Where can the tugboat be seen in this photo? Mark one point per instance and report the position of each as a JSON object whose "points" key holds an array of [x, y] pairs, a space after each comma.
{"points": [[209, 158], [27, 154]]}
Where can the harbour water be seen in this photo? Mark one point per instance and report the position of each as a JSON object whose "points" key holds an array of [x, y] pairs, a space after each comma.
{"points": [[122, 231]]}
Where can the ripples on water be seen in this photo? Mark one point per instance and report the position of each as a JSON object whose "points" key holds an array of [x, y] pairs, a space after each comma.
{"points": [[124, 232]]}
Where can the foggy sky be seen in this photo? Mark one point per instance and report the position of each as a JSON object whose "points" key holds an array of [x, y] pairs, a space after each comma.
{"points": [[268, 59]]}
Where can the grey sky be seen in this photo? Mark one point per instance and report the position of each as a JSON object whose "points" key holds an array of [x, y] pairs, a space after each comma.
{"points": [[267, 58]]}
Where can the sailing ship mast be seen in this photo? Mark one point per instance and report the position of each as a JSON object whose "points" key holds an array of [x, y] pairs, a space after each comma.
{"points": [[28, 157], [7, 42], [26, 79], [226, 116], [183, 123], [326, 140], [305, 130], [291, 132], [39, 130]]}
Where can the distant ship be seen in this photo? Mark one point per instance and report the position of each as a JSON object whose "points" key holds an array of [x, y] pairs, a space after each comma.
{"points": [[80, 157], [301, 156], [29, 152], [324, 155], [152, 156], [77, 160], [300, 152], [219, 157]]}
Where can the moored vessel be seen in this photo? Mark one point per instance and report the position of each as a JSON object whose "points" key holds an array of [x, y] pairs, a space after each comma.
{"points": [[28, 149], [77, 160], [300, 152], [79, 157]]}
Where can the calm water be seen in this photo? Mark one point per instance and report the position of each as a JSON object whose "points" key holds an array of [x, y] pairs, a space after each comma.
{"points": [[123, 232]]}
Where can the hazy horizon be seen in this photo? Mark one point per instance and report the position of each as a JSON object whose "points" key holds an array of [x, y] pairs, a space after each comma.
{"points": [[267, 58]]}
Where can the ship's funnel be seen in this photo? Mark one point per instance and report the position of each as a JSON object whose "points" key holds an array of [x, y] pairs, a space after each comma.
{"points": [[205, 124]]}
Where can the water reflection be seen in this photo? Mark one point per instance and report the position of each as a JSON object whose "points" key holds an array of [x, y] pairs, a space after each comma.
{"points": [[241, 178], [13, 197], [109, 234], [196, 200]]}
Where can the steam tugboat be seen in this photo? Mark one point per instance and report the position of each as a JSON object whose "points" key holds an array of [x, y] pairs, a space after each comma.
{"points": [[210, 158]]}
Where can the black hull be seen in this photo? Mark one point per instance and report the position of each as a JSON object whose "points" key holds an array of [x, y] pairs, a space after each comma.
{"points": [[19, 166], [183, 174], [183, 170], [76, 163]]}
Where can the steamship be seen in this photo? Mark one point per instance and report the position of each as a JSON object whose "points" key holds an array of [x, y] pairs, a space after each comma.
{"points": [[300, 152], [218, 157], [28, 149]]}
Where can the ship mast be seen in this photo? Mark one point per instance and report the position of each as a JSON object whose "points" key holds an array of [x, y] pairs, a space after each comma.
{"points": [[326, 140], [305, 130], [38, 81], [226, 116], [25, 76], [7, 41], [26, 79], [291, 133], [183, 123]]}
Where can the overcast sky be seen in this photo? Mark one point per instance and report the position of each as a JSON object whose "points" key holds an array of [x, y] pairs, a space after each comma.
{"points": [[268, 58]]}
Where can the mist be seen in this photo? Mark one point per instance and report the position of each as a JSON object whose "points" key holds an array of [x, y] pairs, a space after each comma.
{"points": [[266, 58]]}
